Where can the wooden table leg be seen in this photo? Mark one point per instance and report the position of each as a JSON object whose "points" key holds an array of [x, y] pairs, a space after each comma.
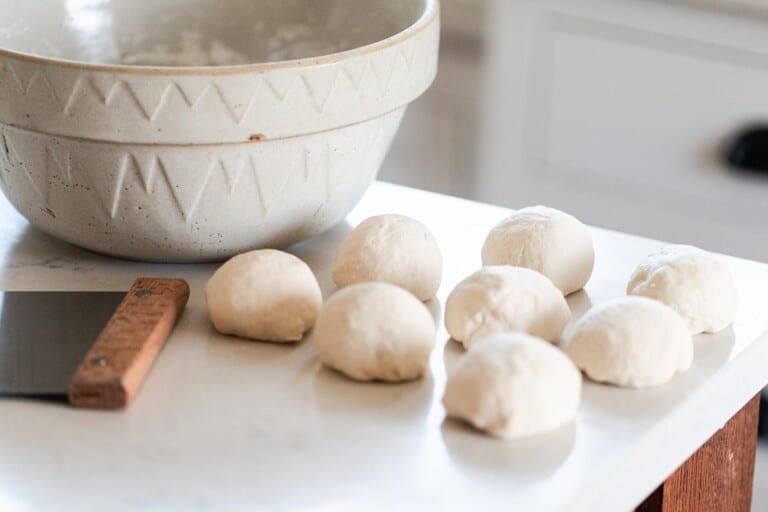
{"points": [[718, 477]]}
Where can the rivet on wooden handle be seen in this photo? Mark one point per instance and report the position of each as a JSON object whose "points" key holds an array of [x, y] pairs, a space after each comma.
{"points": [[115, 367]]}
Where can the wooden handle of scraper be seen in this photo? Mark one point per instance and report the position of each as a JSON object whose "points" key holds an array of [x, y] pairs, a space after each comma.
{"points": [[118, 362]]}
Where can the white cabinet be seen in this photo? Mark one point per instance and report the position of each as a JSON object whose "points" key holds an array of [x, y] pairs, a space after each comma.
{"points": [[617, 111]]}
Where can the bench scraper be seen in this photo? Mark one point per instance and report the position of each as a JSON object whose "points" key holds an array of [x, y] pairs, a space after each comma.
{"points": [[95, 348]]}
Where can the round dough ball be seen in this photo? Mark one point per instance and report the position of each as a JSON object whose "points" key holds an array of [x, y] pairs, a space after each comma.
{"points": [[514, 385], [265, 295], [633, 342], [393, 249], [691, 281], [375, 331], [546, 240], [500, 299]]}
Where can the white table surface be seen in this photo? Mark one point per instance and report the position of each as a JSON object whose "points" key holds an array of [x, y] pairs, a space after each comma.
{"points": [[226, 424]]}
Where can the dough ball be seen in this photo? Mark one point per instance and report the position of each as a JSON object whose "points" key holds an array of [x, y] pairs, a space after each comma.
{"points": [[546, 240], [375, 331], [693, 282], [264, 295], [393, 249], [501, 298], [514, 385], [633, 342]]}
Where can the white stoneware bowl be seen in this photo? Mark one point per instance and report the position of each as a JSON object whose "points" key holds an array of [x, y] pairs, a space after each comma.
{"points": [[191, 130]]}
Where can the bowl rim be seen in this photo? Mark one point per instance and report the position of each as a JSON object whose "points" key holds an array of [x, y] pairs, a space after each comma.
{"points": [[428, 16]]}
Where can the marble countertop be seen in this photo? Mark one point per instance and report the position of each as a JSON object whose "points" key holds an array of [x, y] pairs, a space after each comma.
{"points": [[226, 424]]}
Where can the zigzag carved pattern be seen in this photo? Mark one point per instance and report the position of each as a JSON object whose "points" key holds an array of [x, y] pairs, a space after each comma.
{"points": [[319, 95], [112, 180], [374, 77], [154, 173], [61, 167], [11, 160]]}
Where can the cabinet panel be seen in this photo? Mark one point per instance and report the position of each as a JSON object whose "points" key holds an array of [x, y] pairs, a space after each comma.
{"points": [[649, 114], [618, 111]]}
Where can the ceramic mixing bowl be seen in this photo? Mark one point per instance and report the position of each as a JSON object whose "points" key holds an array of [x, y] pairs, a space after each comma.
{"points": [[191, 130]]}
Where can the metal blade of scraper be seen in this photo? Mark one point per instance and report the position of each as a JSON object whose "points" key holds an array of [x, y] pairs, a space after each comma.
{"points": [[44, 336], [94, 347]]}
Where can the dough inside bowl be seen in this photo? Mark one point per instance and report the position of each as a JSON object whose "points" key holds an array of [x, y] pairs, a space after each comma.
{"points": [[178, 33]]}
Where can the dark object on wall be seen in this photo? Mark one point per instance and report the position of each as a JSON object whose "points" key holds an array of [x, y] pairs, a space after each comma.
{"points": [[748, 150], [763, 425]]}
